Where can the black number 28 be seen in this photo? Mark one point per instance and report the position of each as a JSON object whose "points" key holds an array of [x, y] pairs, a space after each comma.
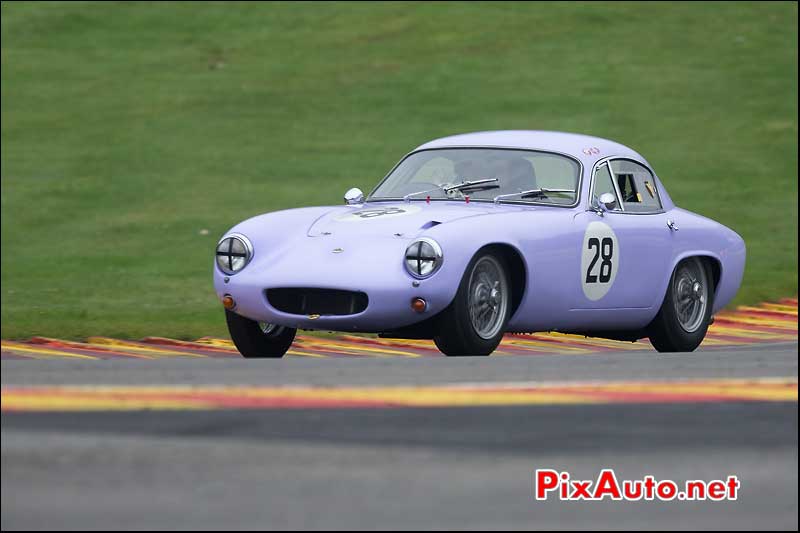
{"points": [[605, 251]]}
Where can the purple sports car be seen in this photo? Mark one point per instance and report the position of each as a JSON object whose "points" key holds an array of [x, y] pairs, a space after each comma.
{"points": [[475, 235]]}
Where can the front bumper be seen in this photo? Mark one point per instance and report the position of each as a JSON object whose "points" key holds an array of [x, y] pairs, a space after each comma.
{"points": [[374, 268]]}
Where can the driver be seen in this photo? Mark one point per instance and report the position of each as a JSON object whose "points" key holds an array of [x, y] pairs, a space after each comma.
{"points": [[466, 169], [518, 175]]}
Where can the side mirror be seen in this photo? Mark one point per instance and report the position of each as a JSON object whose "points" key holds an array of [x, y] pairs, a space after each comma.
{"points": [[354, 196], [607, 201]]}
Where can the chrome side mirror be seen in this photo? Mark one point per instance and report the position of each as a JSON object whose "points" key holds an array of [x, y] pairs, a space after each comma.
{"points": [[354, 196], [607, 201]]}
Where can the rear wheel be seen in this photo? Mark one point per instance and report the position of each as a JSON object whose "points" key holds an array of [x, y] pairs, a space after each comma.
{"points": [[258, 339], [476, 320], [682, 322]]}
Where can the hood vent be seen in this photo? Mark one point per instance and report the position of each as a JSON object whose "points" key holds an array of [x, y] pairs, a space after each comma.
{"points": [[430, 224]]}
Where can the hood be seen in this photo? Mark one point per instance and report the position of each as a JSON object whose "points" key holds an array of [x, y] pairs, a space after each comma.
{"points": [[389, 219]]}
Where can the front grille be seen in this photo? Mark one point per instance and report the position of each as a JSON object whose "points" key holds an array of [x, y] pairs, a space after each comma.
{"points": [[303, 301]]}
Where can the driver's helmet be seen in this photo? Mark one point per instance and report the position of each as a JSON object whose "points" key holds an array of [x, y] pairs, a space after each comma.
{"points": [[518, 175], [469, 169]]}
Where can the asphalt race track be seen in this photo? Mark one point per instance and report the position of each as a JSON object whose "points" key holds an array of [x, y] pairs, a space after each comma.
{"points": [[394, 442], [467, 466]]}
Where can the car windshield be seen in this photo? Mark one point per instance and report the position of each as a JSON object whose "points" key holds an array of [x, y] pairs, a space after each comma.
{"points": [[483, 174]]}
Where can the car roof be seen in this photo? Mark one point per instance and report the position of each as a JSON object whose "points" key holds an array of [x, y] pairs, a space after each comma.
{"points": [[583, 147]]}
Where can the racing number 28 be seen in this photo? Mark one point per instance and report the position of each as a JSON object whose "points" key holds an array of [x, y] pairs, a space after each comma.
{"points": [[603, 250]]}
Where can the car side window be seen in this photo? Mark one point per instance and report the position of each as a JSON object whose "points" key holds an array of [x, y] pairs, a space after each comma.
{"points": [[603, 184], [636, 185]]}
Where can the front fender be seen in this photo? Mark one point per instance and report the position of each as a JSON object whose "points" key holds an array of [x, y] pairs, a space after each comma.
{"points": [[285, 255], [465, 238]]}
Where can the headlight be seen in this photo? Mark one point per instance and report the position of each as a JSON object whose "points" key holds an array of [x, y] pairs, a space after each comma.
{"points": [[423, 258], [233, 253]]}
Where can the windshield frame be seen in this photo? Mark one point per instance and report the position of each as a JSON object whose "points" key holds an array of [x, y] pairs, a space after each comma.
{"points": [[578, 186]]}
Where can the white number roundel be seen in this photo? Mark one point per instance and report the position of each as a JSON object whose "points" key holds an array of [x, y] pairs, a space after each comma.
{"points": [[599, 260]]}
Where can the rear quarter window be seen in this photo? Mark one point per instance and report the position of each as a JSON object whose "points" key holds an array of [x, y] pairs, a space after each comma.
{"points": [[637, 186]]}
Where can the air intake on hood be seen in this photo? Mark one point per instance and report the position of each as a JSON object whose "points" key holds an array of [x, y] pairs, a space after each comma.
{"points": [[306, 301], [430, 224]]}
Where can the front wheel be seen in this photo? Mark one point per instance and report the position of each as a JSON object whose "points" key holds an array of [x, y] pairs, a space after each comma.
{"points": [[476, 320], [258, 339], [682, 322]]}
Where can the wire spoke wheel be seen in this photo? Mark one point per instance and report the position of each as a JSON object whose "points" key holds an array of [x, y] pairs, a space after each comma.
{"points": [[474, 323], [690, 295], [487, 297]]}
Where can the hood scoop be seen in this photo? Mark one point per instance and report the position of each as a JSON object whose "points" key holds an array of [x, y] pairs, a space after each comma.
{"points": [[430, 224]]}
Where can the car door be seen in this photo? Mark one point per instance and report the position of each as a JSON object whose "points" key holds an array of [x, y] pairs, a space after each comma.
{"points": [[624, 251]]}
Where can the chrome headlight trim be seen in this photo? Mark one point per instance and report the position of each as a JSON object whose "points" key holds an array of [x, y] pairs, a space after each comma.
{"points": [[423, 258], [229, 254]]}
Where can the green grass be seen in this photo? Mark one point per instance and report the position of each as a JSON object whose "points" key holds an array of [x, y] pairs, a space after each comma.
{"points": [[130, 128]]}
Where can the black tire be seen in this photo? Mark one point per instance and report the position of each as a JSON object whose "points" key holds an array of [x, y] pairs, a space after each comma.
{"points": [[666, 332], [456, 335], [252, 342]]}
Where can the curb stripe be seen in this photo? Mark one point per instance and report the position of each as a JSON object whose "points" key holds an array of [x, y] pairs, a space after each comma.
{"points": [[768, 322], [126, 398]]}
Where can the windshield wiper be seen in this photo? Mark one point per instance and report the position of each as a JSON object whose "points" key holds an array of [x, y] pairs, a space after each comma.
{"points": [[531, 193], [463, 186]]}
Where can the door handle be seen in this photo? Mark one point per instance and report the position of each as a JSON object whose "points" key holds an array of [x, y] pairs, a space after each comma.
{"points": [[671, 225]]}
